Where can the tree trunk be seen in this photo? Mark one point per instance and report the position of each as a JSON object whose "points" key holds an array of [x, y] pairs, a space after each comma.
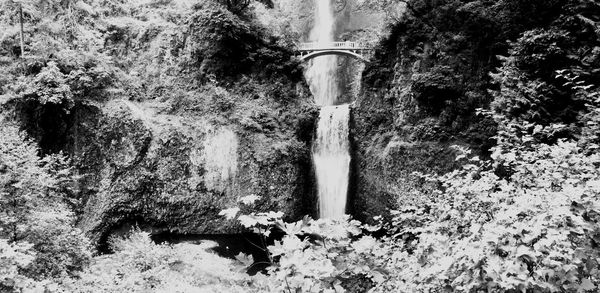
{"points": [[21, 23]]}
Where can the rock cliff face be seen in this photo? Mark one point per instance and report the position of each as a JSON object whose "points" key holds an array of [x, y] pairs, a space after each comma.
{"points": [[175, 173], [436, 67], [417, 102]]}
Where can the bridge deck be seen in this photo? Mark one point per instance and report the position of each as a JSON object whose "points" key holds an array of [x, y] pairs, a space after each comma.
{"points": [[353, 49], [324, 46]]}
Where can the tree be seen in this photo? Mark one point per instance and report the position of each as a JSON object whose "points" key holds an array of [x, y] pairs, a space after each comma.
{"points": [[33, 208], [21, 30], [20, 8], [23, 180]]}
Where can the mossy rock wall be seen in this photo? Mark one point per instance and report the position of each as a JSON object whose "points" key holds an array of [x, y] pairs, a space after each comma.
{"points": [[160, 172], [416, 102]]}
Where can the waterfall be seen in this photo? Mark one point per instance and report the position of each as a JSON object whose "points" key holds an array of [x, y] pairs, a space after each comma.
{"points": [[322, 71], [331, 158], [331, 150]]}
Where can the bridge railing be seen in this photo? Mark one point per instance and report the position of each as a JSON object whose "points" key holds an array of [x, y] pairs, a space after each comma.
{"points": [[331, 45]]}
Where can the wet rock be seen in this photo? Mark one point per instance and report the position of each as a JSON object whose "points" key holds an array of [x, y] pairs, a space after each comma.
{"points": [[168, 173], [413, 107]]}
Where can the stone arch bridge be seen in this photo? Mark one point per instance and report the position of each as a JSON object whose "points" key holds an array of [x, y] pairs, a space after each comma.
{"points": [[307, 51]]}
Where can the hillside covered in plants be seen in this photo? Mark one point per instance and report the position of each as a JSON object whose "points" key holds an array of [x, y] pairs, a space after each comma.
{"points": [[475, 148], [166, 111]]}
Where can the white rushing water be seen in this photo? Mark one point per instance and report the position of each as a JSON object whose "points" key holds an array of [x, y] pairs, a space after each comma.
{"points": [[322, 71], [331, 158], [331, 148]]}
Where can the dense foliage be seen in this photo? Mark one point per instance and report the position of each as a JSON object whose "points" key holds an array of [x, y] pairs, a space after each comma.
{"points": [[461, 42], [534, 230], [207, 62], [140, 265], [524, 218], [37, 236]]}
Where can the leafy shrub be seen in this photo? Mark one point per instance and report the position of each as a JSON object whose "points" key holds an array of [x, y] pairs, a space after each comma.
{"points": [[62, 82], [433, 89], [527, 84], [519, 96], [61, 250], [532, 231], [14, 257], [140, 265], [541, 51], [316, 255], [48, 86]]}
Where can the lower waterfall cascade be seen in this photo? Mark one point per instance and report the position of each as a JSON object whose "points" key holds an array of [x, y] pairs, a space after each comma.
{"points": [[331, 159]]}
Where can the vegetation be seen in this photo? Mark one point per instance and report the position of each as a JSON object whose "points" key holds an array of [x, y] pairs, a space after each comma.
{"points": [[524, 221], [140, 265], [450, 47], [519, 216], [37, 235], [196, 60]]}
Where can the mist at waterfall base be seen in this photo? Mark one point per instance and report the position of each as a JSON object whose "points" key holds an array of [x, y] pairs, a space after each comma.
{"points": [[331, 147]]}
